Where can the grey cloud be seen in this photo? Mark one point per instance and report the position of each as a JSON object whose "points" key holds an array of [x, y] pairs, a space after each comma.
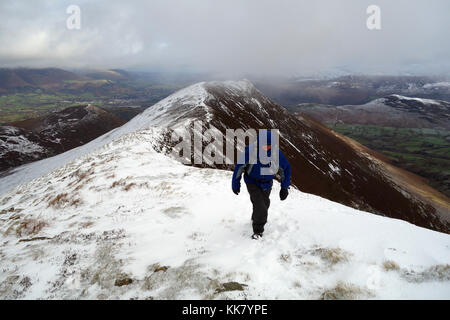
{"points": [[237, 36]]}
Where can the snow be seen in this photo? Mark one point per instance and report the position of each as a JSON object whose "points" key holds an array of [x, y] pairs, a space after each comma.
{"points": [[424, 101], [236, 87], [10, 130], [18, 143], [163, 114], [116, 208], [158, 115], [443, 84], [130, 210], [334, 168]]}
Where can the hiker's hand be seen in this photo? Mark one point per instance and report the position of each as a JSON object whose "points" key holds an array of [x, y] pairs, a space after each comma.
{"points": [[283, 193], [236, 191]]}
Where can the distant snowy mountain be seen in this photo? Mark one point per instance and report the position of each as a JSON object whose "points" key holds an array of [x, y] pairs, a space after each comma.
{"points": [[127, 222], [394, 110], [352, 89]]}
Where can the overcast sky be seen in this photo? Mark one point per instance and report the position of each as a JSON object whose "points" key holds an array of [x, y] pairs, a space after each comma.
{"points": [[236, 36]]}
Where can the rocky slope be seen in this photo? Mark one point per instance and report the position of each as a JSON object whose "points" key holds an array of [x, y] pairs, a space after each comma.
{"points": [[38, 138]]}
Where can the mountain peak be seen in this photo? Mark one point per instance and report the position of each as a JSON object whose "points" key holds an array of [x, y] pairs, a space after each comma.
{"points": [[243, 86]]}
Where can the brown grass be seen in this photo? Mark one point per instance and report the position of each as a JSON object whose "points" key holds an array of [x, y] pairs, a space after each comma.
{"points": [[64, 199], [81, 176], [30, 227], [163, 268], [12, 209], [391, 266], [332, 255], [120, 182], [123, 183], [87, 224], [59, 200], [343, 291], [129, 186], [285, 258]]}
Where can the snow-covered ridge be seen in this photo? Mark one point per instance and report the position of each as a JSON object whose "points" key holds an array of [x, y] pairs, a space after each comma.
{"points": [[157, 115], [165, 113], [127, 222], [19, 144], [424, 101]]}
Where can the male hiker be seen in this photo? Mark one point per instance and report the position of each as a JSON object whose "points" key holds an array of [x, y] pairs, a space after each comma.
{"points": [[259, 182]]}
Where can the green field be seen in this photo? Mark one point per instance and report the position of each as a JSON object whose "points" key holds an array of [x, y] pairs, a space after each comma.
{"points": [[425, 152], [35, 103], [22, 106]]}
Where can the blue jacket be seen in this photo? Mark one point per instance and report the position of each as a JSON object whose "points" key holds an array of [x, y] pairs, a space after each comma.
{"points": [[252, 172]]}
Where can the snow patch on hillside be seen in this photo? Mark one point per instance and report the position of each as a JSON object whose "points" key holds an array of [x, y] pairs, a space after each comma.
{"points": [[443, 84], [20, 144], [421, 100]]}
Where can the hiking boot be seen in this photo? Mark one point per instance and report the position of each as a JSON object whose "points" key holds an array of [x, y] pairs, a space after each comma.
{"points": [[256, 236]]}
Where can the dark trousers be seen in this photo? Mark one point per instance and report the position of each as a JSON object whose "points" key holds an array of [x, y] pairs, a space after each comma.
{"points": [[261, 202]]}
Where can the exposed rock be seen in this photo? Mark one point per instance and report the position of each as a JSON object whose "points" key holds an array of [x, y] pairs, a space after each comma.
{"points": [[163, 268], [123, 281], [35, 239], [231, 286]]}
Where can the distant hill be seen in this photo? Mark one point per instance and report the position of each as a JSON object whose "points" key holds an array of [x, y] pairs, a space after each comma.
{"points": [[352, 90], [25, 77], [393, 111], [13, 80], [113, 74], [34, 139]]}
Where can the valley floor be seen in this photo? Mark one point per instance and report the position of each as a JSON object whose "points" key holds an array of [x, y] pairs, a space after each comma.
{"points": [[425, 152]]}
